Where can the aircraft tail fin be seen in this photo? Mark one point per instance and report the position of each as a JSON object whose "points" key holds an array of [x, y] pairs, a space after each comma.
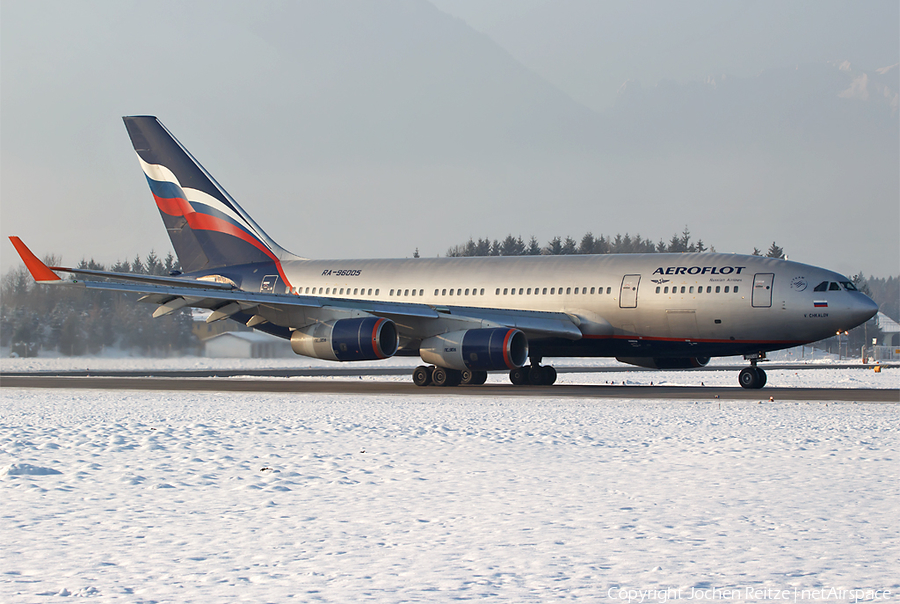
{"points": [[207, 227]]}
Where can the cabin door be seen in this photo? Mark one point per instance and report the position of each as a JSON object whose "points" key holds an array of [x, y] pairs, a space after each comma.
{"points": [[762, 290], [629, 291]]}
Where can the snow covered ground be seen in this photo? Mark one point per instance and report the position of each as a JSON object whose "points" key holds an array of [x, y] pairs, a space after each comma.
{"points": [[217, 497]]}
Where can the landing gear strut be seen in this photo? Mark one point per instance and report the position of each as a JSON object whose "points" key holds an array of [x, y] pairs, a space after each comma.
{"points": [[752, 377], [535, 374]]}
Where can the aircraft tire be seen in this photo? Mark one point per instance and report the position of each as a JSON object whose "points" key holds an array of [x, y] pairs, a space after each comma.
{"points": [[422, 375], [536, 376], [750, 378], [518, 376], [476, 378], [445, 377], [763, 378], [549, 375]]}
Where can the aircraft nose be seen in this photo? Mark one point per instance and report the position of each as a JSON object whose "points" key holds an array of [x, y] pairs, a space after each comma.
{"points": [[862, 309]]}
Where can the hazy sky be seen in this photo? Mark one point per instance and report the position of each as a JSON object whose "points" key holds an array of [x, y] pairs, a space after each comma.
{"points": [[363, 129]]}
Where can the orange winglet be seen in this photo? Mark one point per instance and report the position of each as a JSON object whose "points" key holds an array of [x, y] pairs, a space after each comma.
{"points": [[38, 269]]}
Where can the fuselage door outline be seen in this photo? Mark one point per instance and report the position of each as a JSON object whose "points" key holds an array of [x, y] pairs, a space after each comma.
{"points": [[762, 290], [629, 291]]}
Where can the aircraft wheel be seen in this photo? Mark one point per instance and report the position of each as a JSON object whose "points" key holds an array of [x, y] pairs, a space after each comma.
{"points": [[536, 376], [749, 378], [477, 378], [763, 378], [445, 377], [518, 376], [549, 375], [454, 377], [439, 376], [422, 375], [465, 376]]}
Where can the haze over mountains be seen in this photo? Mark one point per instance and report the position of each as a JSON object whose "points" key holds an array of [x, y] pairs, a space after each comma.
{"points": [[369, 129]]}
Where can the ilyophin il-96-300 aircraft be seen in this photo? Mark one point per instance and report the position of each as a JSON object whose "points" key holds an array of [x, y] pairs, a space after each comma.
{"points": [[467, 316]]}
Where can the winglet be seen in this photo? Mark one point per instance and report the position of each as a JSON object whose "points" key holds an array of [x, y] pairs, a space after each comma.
{"points": [[38, 269]]}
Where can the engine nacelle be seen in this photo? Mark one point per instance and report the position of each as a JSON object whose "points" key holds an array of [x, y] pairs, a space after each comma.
{"points": [[665, 363], [365, 339], [477, 349]]}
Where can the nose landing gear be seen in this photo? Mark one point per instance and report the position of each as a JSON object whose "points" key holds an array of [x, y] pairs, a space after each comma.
{"points": [[752, 377]]}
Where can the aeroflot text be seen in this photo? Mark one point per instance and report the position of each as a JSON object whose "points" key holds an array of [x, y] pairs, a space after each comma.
{"points": [[749, 594], [699, 270]]}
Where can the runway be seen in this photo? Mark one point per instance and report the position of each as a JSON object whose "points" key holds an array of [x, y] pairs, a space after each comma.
{"points": [[301, 385]]}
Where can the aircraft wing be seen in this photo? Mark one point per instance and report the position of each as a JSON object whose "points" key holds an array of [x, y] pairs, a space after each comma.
{"points": [[280, 313]]}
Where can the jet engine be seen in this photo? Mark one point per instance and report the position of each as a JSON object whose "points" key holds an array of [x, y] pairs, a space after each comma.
{"points": [[364, 339], [477, 349], [665, 363]]}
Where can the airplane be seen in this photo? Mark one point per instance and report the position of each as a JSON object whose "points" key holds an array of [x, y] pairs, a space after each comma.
{"points": [[465, 317]]}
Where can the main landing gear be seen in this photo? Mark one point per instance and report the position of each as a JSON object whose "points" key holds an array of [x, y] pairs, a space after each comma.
{"points": [[534, 374], [752, 377], [441, 376]]}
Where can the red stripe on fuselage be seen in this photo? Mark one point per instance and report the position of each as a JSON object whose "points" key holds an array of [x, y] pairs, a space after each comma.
{"points": [[700, 340]]}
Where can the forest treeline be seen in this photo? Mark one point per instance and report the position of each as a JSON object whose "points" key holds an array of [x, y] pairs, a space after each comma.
{"points": [[589, 244], [76, 321]]}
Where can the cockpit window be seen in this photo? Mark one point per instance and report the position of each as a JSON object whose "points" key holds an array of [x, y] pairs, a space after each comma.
{"points": [[848, 286], [834, 287], [823, 286]]}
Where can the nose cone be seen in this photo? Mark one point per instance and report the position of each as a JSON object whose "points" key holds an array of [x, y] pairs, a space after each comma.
{"points": [[861, 310]]}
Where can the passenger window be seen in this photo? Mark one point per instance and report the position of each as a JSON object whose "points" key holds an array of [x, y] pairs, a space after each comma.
{"points": [[682, 289], [545, 291], [735, 288], [482, 292], [849, 286], [592, 290], [342, 291], [709, 289], [467, 291], [691, 290], [451, 292], [505, 291], [576, 290], [657, 289], [435, 292], [443, 292], [834, 287], [529, 291], [421, 292], [459, 292], [608, 290], [497, 293], [568, 290], [667, 290], [406, 292], [726, 289], [718, 289], [376, 292], [552, 291]]}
